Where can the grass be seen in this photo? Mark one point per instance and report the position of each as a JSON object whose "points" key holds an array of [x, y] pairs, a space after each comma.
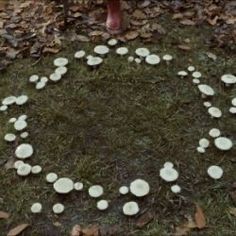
{"points": [[116, 124]]}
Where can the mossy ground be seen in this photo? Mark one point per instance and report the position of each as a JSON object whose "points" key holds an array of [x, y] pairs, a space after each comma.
{"points": [[118, 123]]}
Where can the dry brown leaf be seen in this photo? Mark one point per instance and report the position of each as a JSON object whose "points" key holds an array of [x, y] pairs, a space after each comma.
{"points": [[76, 231], [200, 219], [184, 47], [4, 215], [187, 22], [138, 14], [144, 219], [17, 230], [92, 230], [131, 35], [232, 211], [185, 229]]}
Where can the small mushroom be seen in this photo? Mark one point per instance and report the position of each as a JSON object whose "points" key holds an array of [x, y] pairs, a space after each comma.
{"points": [[55, 77], [123, 190], [102, 205], [138, 60], [62, 70], [94, 61], [24, 135], [40, 85], [112, 42], [36, 208], [196, 81], [167, 58], [139, 188], [122, 51], [196, 75], [232, 110], [175, 189], [61, 61], [51, 177], [63, 185], [207, 104], [20, 125], [215, 172], [168, 164], [3, 108], [191, 68], [18, 163], [78, 186], [24, 169], [182, 73], [33, 78], [152, 59], [95, 191], [44, 79], [169, 174], [201, 150], [215, 112], [10, 137], [204, 143], [9, 100], [12, 120], [24, 151], [21, 100], [22, 117], [214, 133], [228, 79], [130, 59], [101, 50], [233, 102], [206, 90], [58, 208], [36, 169], [223, 143], [130, 208], [80, 54], [142, 52]]}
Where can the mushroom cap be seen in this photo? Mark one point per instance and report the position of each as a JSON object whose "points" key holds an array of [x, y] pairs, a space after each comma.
{"points": [[10, 137], [214, 133], [152, 59], [21, 100], [9, 100], [123, 190], [61, 70], [175, 188], [196, 75], [142, 52], [63, 185], [33, 78], [22, 117], [18, 163], [182, 73], [232, 110], [130, 59], [207, 104], [168, 164], [196, 81], [206, 90], [3, 108], [20, 125], [191, 68], [223, 143], [101, 49], [167, 57], [201, 150], [79, 54], [122, 51], [234, 102], [204, 143], [24, 151], [60, 61], [130, 208], [215, 112], [51, 177], [94, 61], [138, 60], [95, 191], [102, 205], [169, 174], [58, 208], [24, 135], [44, 79], [215, 172], [36, 208], [228, 79], [36, 169], [139, 188], [112, 42], [24, 169], [78, 186], [55, 77], [12, 120]]}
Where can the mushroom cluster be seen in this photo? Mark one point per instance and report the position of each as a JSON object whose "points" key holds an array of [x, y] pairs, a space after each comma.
{"points": [[168, 173], [10, 100]]}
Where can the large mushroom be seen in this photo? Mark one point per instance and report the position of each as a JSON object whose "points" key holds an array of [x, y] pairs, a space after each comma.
{"points": [[152, 59], [139, 188], [130, 208], [228, 79], [101, 50], [215, 172], [215, 112], [24, 169], [60, 61], [169, 174], [63, 185], [95, 191], [206, 90], [223, 143], [142, 52], [24, 151]]}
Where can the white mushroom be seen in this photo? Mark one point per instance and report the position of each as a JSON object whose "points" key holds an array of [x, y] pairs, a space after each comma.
{"points": [[3, 108], [24, 135], [20, 125], [102, 205], [175, 189], [21, 100], [215, 172], [44, 79], [182, 73], [138, 60], [94, 61], [9, 100], [62, 70], [58, 208], [206, 90], [168, 164], [169, 174], [167, 58], [12, 120], [112, 42], [55, 77], [24, 151], [63, 185], [207, 104], [22, 117], [196, 81], [80, 54], [101, 50], [152, 59], [130, 59], [130, 208], [18, 163], [95, 191], [142, 52], [33, 78], [123, 190], [78, 186], [139, 188], [122, 51], [36, 169], [196, 75], [10, 137], [191, 68], [61, 61], [51, 177], [233, 102], [201, 150], [36, 208], [24, 169], [204, 143], [214, 133], [232, 110], [228, 79], [40, 85], [223, 143], [215, 112]]}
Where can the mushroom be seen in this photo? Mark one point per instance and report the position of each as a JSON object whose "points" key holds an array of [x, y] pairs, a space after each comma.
{"points": [[215, 172], [168, 164], [206, 90], [33, 78], [123, 190], [204, 143], [17, 164], [232, 110], [24, 135], [233, 102], [196, 75], [55, 77], [24, 169], [9, 100], [51, 177], [215, 112], [94, 61], [223, 143], [152, 59], [80, 54], [201, 150], [44, 79], [36, 169], [101, 50], [24, 151], [175, 188], [182, 73], [102, 205], [214, 133], [3, 108], [10, 137], [62, 70], [228, 79], [61, 61], [58, 208], [130, 208], [130, 59], [78, 186], [20, 125], [142, 52], [138, 60], [12, 120], [95, 191], [122, 51], [196, 81], [191, 68], [167, 58], [63, 185], [169, 174], [22, 117], [112, 42], [21, 100], [36, 208], [207, 104], [139, 188]]}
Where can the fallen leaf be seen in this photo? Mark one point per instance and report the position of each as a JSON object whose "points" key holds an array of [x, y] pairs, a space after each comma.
{"points": [[200, 219], [131, 35], [4, 215], [17, 230], [76, 231], [186, 228], [92, 230], [187, 22], [232, 211], [184, 47], [144, 219]]}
